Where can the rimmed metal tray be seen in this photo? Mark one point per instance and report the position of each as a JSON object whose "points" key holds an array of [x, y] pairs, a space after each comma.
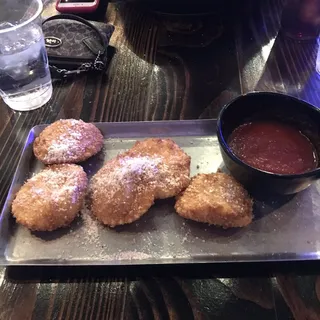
{"points": [[285, 228]]}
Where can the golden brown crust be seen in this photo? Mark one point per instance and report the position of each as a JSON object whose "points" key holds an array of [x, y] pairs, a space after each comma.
{"points": [[174, 169], [126, 187], [123, 190], [67, 141], [52, 198], [217, 199]]}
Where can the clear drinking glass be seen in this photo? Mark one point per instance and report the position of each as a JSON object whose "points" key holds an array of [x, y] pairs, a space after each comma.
{"points": [[25, 81]]}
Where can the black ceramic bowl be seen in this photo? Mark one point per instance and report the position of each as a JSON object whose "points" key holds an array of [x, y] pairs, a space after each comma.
{"points": [[265, 106]]}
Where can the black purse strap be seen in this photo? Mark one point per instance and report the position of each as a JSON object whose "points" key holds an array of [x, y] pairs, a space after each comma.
{"points": [[100, 61]]}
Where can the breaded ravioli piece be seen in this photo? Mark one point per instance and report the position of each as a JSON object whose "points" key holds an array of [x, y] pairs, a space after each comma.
{"points": [[68, 141], [217, 199], [52, 198], [174, 168], [123, 189], [126, 187]]}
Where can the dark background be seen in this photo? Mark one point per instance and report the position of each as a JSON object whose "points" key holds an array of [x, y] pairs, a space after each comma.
{"points": [[172, 62]]}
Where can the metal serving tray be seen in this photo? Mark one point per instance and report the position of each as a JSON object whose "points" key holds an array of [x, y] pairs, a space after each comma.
{"points": [[286, 228]]}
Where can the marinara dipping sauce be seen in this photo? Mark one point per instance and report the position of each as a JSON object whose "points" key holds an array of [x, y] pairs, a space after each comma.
{"points": [[274, 147]]}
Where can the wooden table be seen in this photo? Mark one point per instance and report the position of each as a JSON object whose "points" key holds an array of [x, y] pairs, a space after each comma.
{"points": [[168, 66]]}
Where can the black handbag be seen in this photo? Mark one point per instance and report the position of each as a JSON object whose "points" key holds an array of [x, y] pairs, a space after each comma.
{"points": [[75, 45]]}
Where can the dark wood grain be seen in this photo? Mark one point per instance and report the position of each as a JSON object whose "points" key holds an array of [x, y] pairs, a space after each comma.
{"points": [[168, 66]]}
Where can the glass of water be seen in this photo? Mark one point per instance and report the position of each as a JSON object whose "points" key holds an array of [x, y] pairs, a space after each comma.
{"points": [[25, 81]]}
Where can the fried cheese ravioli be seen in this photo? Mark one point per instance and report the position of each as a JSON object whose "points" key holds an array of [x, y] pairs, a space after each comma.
{"points": [[127, 186], [68, 141], [52, 198], [217, 199]]}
